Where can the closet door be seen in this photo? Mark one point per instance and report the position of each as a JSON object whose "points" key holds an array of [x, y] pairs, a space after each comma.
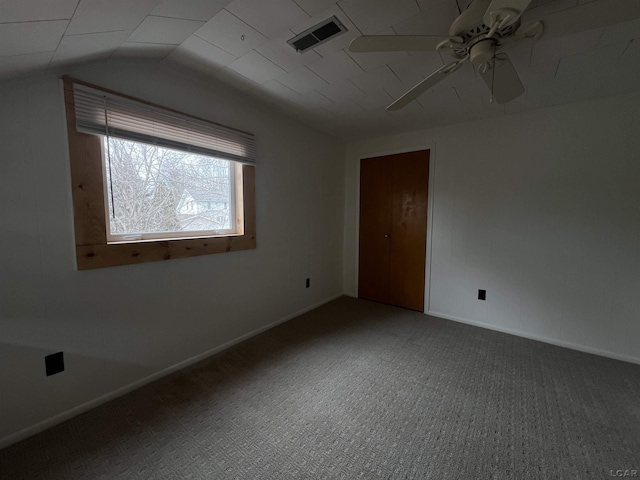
{"points": [[393, 229], [375, 229]]}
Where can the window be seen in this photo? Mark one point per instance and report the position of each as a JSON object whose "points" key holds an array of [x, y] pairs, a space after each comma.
{"points": [[156, 193], [152, 184]]}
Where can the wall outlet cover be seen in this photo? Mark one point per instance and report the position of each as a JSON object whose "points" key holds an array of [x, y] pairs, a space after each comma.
{"points": [[54, 363]]}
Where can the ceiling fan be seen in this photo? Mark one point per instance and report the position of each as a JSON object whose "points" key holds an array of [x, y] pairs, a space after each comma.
{"points": [[484, 29]]}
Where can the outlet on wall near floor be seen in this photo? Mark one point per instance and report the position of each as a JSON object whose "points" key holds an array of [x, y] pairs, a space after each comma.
{"points": [[308, 282], [482, 294], [54, 363]]}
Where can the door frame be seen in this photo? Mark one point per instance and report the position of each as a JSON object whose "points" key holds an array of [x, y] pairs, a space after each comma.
{"points": [[377, 152]]}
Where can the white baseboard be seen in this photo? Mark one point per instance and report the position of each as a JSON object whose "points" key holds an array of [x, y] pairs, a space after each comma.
{"points": [[552, 341], [68, 414]]}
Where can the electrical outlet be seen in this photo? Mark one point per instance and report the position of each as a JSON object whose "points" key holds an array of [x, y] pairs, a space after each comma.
{"points": [[308, 282], [54, 363], [482, 294]]}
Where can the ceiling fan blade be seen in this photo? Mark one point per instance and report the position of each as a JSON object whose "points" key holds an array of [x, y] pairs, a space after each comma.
{"points": [[425, 85], [400, 43], [587, 16], [503, 80], [508, 11]]}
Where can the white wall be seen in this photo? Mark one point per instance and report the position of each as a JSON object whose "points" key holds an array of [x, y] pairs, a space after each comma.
{"points": [[541, 209], [120, 325]]}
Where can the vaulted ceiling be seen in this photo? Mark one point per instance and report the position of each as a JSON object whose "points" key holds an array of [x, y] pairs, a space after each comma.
{"points": [[242, 43]]}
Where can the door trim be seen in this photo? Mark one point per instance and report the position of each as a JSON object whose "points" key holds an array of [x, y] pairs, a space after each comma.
{"points": [[367, 153]]}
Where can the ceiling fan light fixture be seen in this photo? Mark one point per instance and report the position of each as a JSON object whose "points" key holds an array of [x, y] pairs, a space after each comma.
{"points": [[482, 51]]}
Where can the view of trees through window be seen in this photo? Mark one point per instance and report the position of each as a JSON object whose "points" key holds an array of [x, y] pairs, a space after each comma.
{"points": [[157, 190]]}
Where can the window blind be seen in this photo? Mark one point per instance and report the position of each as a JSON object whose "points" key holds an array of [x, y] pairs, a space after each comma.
{"points": [[104, 113]]}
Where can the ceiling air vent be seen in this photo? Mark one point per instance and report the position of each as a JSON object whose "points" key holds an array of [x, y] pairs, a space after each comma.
{"points": [[318, 34]]}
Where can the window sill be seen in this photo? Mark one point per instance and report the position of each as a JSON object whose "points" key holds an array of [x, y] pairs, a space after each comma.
{"points": [[172, 238], [127, 253]]}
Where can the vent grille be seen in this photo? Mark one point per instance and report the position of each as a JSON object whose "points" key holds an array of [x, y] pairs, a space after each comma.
{"points": [[318, 34]]}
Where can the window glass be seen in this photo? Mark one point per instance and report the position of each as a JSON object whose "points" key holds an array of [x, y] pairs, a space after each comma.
{"points": [[156, 192]]}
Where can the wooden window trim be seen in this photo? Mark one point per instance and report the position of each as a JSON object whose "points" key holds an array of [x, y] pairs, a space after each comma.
{"points": [[92, 249]]}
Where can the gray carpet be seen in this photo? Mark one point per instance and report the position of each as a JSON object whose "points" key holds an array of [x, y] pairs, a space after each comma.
{"points": [[357, 389]]}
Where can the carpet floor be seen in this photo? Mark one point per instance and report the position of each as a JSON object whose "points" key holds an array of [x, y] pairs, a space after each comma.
{"points": [[356, 389]]}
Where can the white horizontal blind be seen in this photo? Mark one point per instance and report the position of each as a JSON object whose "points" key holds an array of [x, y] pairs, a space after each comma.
{"points": [[103, 113]]}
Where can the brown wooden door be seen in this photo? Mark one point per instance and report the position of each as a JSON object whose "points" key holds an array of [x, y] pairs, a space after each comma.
{"points": [[393, 228]]}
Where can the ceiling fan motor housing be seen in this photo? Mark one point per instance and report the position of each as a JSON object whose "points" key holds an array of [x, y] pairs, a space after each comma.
{"points": [[471, 27]]}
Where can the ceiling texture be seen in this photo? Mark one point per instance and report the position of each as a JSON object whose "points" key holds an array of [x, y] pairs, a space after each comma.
{"points": [[242, 43]]}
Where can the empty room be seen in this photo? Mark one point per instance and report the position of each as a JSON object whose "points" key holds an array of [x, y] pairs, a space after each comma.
{"points": [[300, 239]]}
